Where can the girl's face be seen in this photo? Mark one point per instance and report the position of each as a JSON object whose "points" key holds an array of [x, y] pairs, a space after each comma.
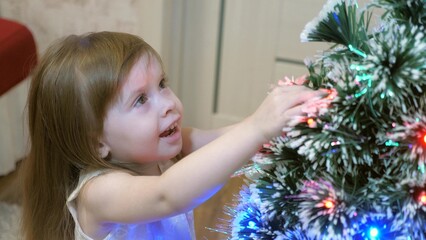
{"points": [[144, 124]]}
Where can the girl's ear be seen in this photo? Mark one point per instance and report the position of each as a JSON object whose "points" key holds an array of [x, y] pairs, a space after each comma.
{"points": [[103, 150]]}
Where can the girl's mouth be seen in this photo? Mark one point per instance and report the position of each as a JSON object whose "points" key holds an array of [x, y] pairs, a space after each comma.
{"points": [[170, 131]]}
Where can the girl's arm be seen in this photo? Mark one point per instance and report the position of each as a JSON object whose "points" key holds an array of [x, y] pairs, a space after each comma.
{"points": [[121, 197]]}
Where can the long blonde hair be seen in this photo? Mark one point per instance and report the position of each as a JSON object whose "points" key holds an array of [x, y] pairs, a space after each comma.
{"points": [[76, 80]]}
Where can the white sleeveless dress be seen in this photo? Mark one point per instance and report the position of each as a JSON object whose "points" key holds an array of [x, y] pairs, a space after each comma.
{"points": [[179, 227]]}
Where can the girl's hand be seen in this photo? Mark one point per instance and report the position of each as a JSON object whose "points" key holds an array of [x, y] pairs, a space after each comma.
{"points": [[279, 109]]}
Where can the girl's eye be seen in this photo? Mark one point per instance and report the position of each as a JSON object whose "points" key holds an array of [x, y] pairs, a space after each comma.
{"points": [[141, 99], [163, 83]]}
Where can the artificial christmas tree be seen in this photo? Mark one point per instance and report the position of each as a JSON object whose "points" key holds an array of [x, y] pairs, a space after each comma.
{"points": [[355, 168]]}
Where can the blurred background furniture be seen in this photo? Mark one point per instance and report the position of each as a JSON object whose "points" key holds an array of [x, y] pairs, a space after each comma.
{"points": [[18, 55]]}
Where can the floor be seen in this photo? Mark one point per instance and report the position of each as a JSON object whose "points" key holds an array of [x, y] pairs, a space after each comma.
{"points": [[208, 216], [211, 214]]}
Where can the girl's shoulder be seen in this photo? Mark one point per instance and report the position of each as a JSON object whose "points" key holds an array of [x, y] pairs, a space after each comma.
{"points": [[97, 183], [87, 177], [103, 178]]}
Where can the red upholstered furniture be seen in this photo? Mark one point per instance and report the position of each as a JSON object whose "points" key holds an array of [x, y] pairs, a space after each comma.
{"points": [[17, 57], [18, 53]]}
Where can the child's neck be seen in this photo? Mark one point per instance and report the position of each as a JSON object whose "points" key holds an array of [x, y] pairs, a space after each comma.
{"points": [[152, 168], [148, 169]]}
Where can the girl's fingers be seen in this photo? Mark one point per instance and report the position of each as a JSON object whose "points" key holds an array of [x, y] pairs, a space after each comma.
{"points": [[301, 96], [289, 82], [300, 90], [295, 116]]}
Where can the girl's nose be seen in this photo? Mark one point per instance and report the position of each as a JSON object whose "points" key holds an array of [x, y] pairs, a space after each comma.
{"points": [[168, 104]]}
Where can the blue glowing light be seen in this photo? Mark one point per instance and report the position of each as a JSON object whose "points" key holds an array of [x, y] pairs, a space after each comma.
{"points": [[252, 225], [374, 232], [336, 18]]}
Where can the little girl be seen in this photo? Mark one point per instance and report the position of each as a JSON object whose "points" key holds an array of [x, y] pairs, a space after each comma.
{"points": [[109, 158]]}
